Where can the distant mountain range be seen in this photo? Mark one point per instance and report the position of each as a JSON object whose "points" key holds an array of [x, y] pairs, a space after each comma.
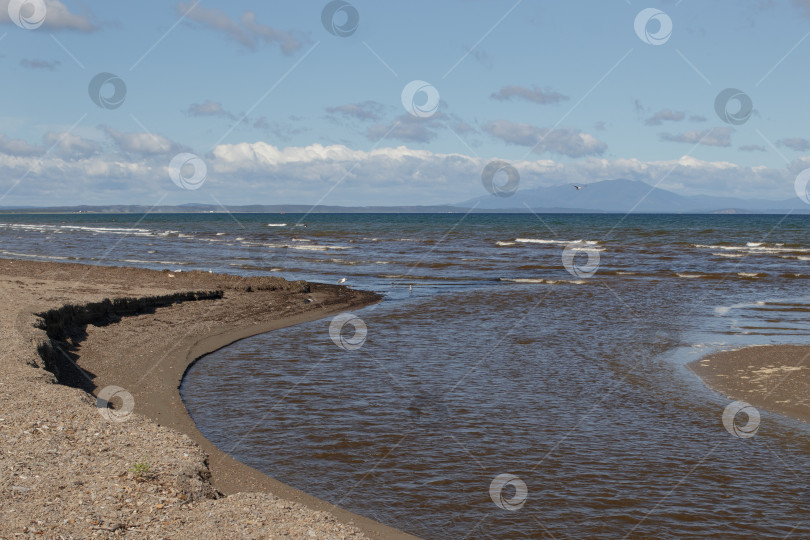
{"points": [[607, 196], [626, 196], [201, 208]]}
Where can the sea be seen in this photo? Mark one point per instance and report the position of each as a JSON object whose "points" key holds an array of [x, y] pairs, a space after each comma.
{"points": [[524, 375]]}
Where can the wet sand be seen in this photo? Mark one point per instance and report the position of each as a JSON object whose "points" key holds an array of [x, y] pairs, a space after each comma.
{"points": [[775, 378], [69, 470]]}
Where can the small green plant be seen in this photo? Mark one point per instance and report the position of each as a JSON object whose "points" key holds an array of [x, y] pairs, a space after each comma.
{"points": [[140, 468]]}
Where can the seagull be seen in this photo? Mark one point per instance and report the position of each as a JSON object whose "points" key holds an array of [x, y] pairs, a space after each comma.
{"points": [[342, 280], [576, 187]]}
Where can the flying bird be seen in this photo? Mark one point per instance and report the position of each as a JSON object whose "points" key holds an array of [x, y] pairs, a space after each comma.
{"points": [[576, 187]]}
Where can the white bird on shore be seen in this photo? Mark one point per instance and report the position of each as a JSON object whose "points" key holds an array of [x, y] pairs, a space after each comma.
{"points": [[342, 280]]}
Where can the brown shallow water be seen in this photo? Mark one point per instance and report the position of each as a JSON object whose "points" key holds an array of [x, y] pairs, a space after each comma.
{"points": [[498, 361], [583, 400]]}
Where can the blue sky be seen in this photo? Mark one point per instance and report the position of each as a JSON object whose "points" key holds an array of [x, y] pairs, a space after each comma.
{"points": [[280, 110]]}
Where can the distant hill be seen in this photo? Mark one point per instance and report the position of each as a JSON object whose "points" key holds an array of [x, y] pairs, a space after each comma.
{"points": [[625, 196], [607, 196], [198, 208]]}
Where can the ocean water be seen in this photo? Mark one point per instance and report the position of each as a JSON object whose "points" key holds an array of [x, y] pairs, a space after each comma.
{"points": [[550, 348]]}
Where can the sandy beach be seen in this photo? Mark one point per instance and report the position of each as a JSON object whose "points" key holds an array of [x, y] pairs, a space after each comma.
{"points": [[775, 378], [67, 470]]}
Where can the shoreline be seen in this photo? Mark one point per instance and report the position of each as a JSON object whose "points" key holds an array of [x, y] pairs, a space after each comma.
{"points": [[771, 377], [158, 344]]}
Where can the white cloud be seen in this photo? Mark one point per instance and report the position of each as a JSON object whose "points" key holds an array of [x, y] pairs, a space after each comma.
{"points": [[665, 115], [39, 64], [71, 145], [57, 17], [247, 32], [209, 108], [366, 110], [405, 176], [719, 136], [285, 40], [565, 141], [798, 144], [140, 143], [18, 147], [534, 94], [406, 128]]}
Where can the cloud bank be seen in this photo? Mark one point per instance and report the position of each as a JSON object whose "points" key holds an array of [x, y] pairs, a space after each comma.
{"points": [[132, 168]]}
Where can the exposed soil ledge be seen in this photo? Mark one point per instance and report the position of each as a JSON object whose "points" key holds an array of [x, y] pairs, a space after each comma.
{"points": [[66, 328], [66, 470]]}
